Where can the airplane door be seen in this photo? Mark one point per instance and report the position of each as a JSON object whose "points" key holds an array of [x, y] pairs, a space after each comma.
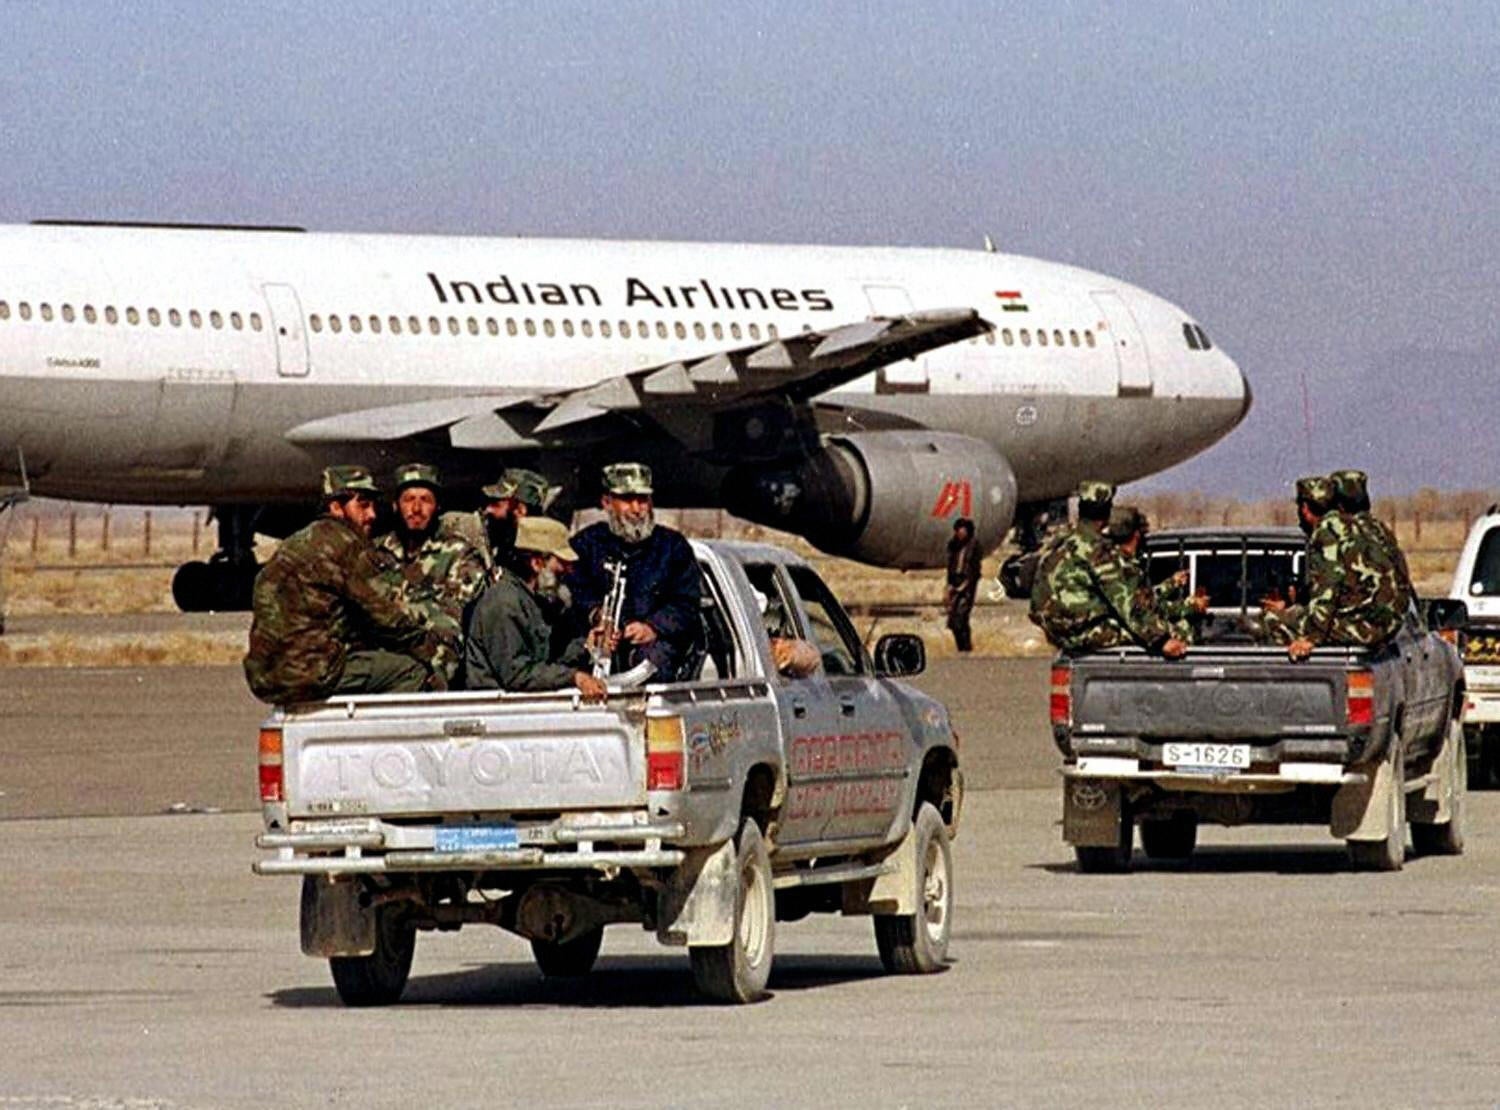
{"points": [[908, 375], [286, 323], [1130, 345]]}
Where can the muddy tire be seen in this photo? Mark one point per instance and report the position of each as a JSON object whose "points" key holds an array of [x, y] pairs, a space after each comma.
{"points": [[379, 978], [738, 971], [917, 943], [1447, 839]]}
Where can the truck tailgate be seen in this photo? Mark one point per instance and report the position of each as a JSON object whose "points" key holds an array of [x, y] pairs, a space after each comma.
{"points": [[472, 755], [1242, 696]]}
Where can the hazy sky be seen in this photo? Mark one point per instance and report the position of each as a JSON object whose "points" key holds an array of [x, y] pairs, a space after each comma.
{"points": [[1315, 182]]}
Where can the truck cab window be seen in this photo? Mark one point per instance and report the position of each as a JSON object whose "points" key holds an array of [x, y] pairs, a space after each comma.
{"points": [[719, 657], [829, 626]]}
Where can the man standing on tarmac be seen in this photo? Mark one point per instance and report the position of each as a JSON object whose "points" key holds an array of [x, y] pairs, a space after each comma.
{"points": [[662, 620], [509, 641], [1088, 595], [326, 621], [436, 570], [963, 582]]}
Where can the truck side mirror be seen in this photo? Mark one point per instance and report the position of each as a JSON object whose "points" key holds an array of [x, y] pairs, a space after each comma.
{"points": [[899, 654], [1445, 612]]}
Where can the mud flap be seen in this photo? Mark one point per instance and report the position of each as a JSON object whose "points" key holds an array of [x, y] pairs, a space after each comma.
{"points": [[333, 921], [1361, 810], [698, 907], [893, 893], [1434, 805], [1093, 810]]}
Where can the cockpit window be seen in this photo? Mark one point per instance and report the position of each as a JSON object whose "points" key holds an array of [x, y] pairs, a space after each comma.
{"points": [[1191, 335], [1485, 581], [1203, 340]]}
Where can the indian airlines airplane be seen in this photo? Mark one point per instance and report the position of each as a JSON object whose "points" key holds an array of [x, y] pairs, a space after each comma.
{"points": [[861, 397]]}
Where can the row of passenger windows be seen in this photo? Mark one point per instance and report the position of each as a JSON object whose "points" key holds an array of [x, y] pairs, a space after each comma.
{"points": [[474, 325], [414, 325], [132, 315]]}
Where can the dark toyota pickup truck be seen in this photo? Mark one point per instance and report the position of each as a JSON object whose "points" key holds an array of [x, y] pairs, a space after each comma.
{"points": [[1366, 742]]}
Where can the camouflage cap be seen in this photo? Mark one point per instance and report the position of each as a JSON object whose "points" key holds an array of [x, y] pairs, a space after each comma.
{"points": [[340, 481], [1095, 492], [1350, 485], [526, 486], [1316, 491], [417, 474], [1124, 522], [545, 536], [627, 478]]}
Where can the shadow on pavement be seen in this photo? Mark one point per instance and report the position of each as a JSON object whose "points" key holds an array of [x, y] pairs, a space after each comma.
{"points": [[619, 983]]}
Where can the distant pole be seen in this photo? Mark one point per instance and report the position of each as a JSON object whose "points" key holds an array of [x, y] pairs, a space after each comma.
{"points": [[104, 533], [72, 533], [146, 535], [36, 536], [197, 531]]}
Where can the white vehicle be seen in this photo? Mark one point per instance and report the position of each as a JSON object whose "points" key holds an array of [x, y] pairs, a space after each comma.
{"points": [[862, 397], [1476, 580]]}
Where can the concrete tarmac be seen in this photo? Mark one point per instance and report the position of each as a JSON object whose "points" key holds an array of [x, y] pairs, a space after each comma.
{"points": [[144, 966]]}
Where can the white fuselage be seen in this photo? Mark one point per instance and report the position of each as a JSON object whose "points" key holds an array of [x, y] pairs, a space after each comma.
{"points": [[151, 365]]}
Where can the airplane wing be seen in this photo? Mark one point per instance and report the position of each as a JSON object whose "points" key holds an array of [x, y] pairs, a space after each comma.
{"points": [[792, 368]]}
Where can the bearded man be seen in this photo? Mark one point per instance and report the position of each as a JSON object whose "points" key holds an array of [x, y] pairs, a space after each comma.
{"points": [[436, 570], [662, 616]]}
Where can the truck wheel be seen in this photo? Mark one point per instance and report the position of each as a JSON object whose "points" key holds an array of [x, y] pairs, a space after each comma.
{"points": [[1174, 838], [570, 959], [1388, 854], [379, 978], [738, 971], [1447, 839], [1488, 742], [917, 943]]}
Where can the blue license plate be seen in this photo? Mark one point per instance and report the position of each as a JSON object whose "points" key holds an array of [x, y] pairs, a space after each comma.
{"points": [[476, 838]]}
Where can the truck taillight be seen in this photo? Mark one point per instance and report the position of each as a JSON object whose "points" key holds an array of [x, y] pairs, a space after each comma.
{"points": [[1359, 703], [663, 753], [270, 765], [1062, 695]]}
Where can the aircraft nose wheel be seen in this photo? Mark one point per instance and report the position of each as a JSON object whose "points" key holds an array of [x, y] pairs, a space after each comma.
{"points": [[213, 587]]}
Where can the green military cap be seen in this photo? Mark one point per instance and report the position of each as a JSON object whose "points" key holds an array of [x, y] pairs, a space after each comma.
{"points": [[339, 481], [1124, 522], [545, 536], [1093, 491], [1316, 490], [526, 486], [627, 478], [1350, 485], [417, 474]]}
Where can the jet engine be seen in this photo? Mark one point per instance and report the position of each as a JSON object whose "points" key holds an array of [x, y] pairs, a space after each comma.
{"points": [[887, 498]]}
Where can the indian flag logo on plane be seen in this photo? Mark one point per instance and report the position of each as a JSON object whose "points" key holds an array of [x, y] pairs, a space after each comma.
{"points": [[1012, 302]]}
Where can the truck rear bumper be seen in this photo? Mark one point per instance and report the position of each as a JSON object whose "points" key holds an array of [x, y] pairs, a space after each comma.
{"points": [[1287, 775], [372, 846]]}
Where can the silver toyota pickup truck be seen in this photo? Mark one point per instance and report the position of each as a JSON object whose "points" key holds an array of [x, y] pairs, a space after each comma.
{"points": [[705, 811], [1366, 742]]}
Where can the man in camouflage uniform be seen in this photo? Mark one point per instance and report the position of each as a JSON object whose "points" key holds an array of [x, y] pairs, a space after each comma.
{"points": [[436, 570], [1351, 496], [1088, 595], [518, 493], [1127, 529], [326, 621], [1355, 594], [509, 644]]}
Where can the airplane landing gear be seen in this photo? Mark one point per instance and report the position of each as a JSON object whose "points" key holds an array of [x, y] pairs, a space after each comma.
{"points": [[224, 583]]}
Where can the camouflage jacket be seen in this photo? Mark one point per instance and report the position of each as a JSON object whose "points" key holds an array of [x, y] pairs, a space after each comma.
{"points": [[321, 596], [439, 580], [1089, 595], [1357, 592]]}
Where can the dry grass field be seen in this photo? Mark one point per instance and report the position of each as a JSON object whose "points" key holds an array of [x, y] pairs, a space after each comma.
{"points": [[61, 559]]}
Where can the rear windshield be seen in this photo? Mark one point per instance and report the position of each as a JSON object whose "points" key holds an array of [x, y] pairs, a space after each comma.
{"points": [[1485, 581], [1235, 578]]}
